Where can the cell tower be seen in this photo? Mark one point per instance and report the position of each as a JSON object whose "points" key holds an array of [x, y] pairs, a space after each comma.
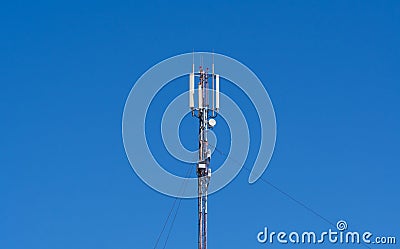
{"points": [[206, 113]]}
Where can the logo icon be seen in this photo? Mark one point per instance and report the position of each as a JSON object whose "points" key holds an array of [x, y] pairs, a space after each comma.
{"points": [[341, 225]]}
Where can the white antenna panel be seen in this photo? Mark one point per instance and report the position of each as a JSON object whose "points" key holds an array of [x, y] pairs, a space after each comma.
{"points": [[191, 91], [200, 97], [217, 91]]}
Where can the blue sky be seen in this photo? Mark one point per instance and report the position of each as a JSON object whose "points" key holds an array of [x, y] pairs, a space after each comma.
{"points": [[66, 69]]}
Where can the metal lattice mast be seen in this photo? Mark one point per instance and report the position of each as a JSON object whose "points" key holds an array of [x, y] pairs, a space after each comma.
{"points": [[206, 114]]}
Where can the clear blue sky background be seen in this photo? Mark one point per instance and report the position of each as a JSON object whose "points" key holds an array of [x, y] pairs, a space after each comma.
{"points": [[66, 68]]}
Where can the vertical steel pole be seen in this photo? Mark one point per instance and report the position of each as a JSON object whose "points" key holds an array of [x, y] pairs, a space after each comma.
{"points": [[202, 166]]}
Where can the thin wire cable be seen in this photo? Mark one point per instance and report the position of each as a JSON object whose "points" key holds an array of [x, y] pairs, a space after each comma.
{"points": [[283, 192], [293, 199], [278, 189], [189, 171], [177, 209]]}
